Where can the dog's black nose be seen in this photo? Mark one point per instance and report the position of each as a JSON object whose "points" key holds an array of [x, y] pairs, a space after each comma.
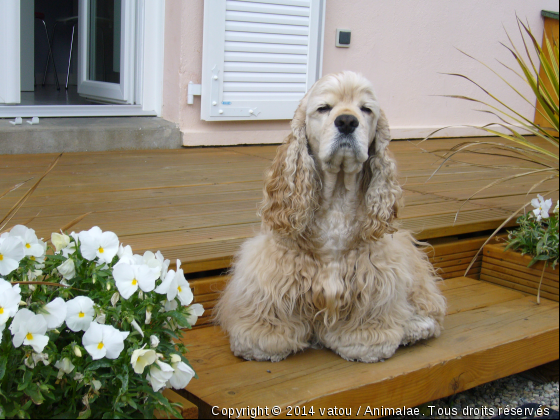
{"points": [[346, 123]]}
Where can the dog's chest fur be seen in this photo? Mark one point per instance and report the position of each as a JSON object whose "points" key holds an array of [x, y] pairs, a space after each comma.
{"points": [[337, 224]]}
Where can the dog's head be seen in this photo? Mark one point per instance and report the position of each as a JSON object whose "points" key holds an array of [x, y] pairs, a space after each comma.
{"points": [[341, 116], [338, 126]]}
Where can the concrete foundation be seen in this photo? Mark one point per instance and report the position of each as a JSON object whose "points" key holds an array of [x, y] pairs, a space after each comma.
{"points": [[56, 135]]}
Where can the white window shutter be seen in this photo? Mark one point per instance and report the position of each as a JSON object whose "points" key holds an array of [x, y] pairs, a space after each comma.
{"points": [[259, 57]]}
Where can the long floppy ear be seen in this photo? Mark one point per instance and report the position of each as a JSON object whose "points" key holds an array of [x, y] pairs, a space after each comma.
{"points": [[291, 185], [382, 192]]}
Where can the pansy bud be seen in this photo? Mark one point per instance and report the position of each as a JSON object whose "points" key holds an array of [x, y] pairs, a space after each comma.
{"points": [[108, 286], [154, 341], [96, 384], [77, 351], [148, 316], [60, 241], [137, 327], [67, 269], [93, 278], [114, 298]]}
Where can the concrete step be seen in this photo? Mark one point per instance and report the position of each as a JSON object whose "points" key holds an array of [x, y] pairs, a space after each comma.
{"points": [[56, 135]]}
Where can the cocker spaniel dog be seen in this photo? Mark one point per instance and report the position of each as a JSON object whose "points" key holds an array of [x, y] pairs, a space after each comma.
{"points": [[329, 267]]}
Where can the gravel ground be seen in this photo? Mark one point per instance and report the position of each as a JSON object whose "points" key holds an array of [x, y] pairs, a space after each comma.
{"points": [[506, 393]]}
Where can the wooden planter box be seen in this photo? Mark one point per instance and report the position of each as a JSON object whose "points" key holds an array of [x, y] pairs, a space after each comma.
{"points": [[510, 269]]}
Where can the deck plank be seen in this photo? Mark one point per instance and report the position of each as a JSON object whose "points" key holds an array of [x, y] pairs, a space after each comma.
{"points": [[482, 341], [198, 205]]}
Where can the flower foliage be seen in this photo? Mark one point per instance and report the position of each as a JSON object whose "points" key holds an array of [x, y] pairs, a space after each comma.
{"points": [[89, 330], [537, 234]]}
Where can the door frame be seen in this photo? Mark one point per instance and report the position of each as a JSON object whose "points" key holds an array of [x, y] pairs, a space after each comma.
{"points": [[10, 77], [148, 67]]}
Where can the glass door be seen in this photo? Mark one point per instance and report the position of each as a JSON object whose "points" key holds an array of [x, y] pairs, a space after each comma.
{"points": [[106, 50]]}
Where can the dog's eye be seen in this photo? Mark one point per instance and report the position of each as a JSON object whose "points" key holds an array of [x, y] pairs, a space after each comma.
{"points": [[366, 110], [324, 108]]}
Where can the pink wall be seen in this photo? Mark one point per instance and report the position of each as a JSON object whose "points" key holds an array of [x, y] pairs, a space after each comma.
{"points": [[402, 47], [183, 63]]}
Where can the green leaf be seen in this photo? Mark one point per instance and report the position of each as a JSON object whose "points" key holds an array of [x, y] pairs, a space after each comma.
{"points": [[27, 376], [33, 392], [98, 364], [3, 363], [85, 414]]}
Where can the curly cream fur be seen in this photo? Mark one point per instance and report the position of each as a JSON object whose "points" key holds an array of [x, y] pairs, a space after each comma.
{"points": [[329, 266]]}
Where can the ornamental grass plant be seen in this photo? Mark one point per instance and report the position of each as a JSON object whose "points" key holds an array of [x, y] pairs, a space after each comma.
{"points": [[89, 330], [534, 147]]}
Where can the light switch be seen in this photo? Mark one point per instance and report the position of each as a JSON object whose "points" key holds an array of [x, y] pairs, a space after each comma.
{"points": [[343, 38]]}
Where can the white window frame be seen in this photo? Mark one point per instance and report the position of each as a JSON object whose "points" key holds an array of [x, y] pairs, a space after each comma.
{"points": [[118, 92], [150, 21]]}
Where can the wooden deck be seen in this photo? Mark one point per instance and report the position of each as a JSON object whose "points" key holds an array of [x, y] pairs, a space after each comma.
{"points": [[489, 332], [199, 205]]}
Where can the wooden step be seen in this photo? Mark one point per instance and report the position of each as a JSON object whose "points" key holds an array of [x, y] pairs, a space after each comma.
{"points": [[490, 332]]}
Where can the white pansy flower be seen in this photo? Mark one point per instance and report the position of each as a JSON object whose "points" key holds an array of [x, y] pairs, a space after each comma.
{"points": [[80, 313], [557, 208], [170, 305], [175, 284], [125, 255], [103, 341], [195, 310], [78, 377], [35, 358], [160, 373], [29, 329], [129, 278], [141, 358], [69, 250], [541, 207], [60, 241], [11, 253], [154, 341], [55, 313], [156, 262], [182, 373], [32, 275], [96, 243], [33, 247], [164, 264], [67, 269], [10, 296], [101, 318], [64, 366]]}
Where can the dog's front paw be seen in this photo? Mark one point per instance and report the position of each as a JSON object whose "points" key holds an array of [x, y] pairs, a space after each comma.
{"points": [[367, 354], [420, 328], [258, 355]]}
